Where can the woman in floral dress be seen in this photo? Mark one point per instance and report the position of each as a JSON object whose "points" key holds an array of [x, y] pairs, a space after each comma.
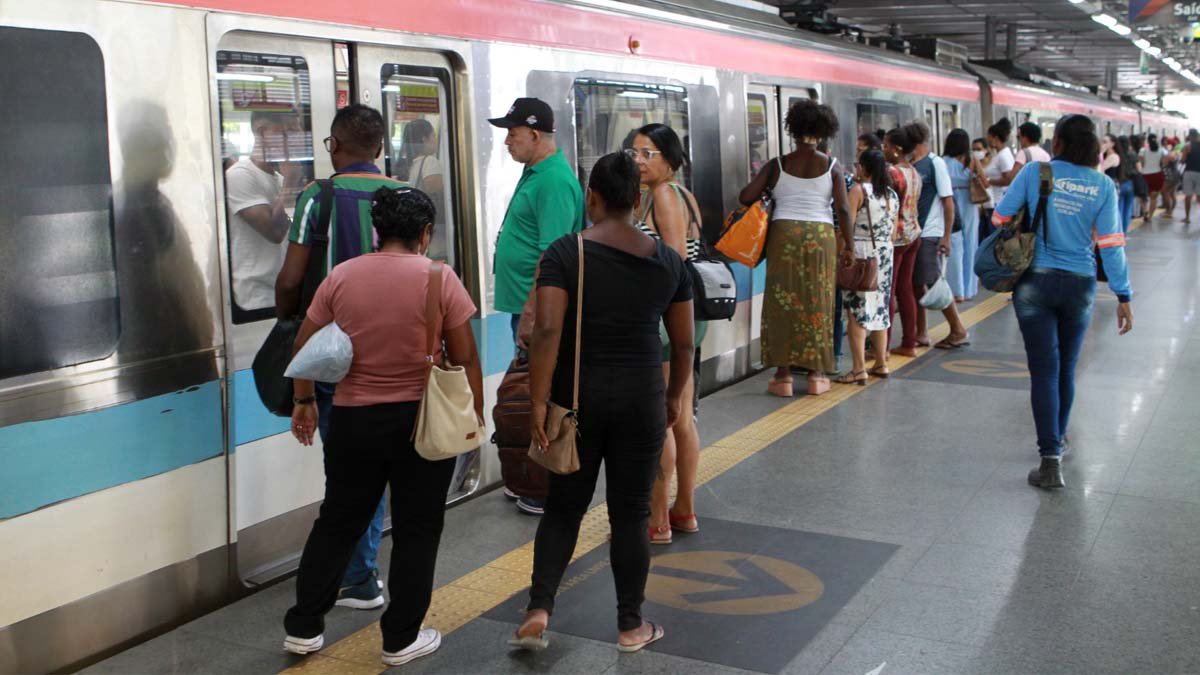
{"points": [[801, 251], [875, 204]]}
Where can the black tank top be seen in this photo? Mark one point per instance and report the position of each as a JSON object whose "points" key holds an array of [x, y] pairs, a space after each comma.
{"points": [[1193, 158]]}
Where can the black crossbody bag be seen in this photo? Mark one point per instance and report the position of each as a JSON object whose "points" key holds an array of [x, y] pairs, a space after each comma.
{"points": [[275, 354]]}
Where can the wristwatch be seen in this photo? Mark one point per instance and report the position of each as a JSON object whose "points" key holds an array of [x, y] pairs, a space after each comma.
{"points": [[304, 400]]}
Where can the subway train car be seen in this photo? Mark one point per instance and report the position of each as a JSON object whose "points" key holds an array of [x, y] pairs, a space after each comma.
{"points": [[144, 483]]}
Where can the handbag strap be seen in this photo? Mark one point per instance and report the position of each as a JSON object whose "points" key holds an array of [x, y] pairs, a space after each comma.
{"points": [[433, 310], [867, 205], [578, 324]]}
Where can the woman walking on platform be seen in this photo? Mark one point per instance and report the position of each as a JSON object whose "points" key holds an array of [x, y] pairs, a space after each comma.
{"points": [[875, 204], [1054, 298], [897, 146], [631, 282], [379, 300], [671, 214], [802, 251]]}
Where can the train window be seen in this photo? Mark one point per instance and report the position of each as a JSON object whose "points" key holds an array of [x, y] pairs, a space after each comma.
{"points": [[875, 116], [949, 114], [608, 113], [417, 150], [58, 282], [756, 127], [267, 151], [1047, 124]]}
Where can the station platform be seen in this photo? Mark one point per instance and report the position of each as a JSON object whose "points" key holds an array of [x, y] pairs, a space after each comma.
{"points": [[880, 529]]}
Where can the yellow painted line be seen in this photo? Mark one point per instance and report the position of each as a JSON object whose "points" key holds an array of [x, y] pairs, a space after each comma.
{"points": [[472, 595]]}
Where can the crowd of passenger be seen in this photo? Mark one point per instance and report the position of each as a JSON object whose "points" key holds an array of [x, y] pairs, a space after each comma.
{"points": [[600, 294]]}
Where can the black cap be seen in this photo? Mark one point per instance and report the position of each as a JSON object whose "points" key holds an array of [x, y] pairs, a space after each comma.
{"points": [[527, 112]]}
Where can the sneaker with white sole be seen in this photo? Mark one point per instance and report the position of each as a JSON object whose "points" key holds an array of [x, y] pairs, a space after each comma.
{"points": [[303, 646], [530, 506], [366, 595], [510, 495], [427, 642]]}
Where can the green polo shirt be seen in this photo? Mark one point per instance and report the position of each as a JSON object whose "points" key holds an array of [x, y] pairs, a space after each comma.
{"points": [[547, 204]]}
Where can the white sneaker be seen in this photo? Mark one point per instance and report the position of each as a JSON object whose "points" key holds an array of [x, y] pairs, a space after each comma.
{"points": [[427, 642], [303, 646]]}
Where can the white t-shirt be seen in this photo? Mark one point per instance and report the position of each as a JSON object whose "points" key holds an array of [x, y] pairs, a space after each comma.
{"points": [[1001, 164], [255, 259], [1035, 152], [1151, 160], [935, 222]]}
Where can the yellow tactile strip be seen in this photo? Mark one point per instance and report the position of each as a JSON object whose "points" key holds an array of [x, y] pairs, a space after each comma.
{"points": [[470, 596]]}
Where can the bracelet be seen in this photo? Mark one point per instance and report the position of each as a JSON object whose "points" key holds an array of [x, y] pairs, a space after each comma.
{"points": [[304, 400]]}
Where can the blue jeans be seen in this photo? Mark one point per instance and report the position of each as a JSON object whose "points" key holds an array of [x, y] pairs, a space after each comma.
{"points": [[1125, 200], [1053, 309], [362, 562], [839, 324]]}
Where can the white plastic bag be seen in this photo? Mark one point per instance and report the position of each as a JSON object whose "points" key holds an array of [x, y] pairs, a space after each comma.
{"points": [[325, 357], [939, 296]]}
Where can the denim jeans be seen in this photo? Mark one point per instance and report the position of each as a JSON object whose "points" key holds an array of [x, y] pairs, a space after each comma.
{"points": [[1125, 200], [839, 325], [1054, 309], [363, 561]]}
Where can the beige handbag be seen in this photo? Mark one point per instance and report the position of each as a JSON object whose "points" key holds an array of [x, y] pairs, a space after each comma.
{"points": [[446, 422], [562, 425]]}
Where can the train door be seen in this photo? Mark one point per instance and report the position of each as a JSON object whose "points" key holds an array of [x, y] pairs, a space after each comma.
{"points": [[273, 95], [415, 91], [787, 97], [763, 132], [935, 133]]}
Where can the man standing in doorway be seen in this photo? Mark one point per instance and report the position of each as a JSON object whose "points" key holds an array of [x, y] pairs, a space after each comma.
{"points": [[547, 204], [355, 141]]}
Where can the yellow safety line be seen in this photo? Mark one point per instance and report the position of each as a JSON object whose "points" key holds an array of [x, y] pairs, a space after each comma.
{"points": [[470, 596]]}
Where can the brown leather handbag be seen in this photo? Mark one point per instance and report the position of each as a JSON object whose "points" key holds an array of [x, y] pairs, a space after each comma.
{"points": [[562, 425], [979, 191], [863, 274]]}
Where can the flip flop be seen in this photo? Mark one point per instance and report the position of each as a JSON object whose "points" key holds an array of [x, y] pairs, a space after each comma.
{"points": [[531, 643], [656, 634], [947, 344]]}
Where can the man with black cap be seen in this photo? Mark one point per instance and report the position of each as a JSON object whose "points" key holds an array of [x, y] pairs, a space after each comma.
{"points": [[547, 203]]}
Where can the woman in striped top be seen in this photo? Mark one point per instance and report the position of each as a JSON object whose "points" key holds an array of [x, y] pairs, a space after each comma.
{"points": [[669, 211]]}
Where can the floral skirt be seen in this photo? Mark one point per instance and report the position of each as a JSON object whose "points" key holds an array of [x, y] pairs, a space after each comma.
{"points": [[797, 317]]}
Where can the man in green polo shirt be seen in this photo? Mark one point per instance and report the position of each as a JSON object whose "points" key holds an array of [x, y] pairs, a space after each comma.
{"points": [[547, 204]]}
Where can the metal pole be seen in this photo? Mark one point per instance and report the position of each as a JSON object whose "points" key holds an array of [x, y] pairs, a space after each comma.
{"points": [[989, 38], [1010, 44]]}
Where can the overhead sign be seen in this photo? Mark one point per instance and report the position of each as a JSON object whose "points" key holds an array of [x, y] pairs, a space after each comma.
{"points": [[1164, 12]]}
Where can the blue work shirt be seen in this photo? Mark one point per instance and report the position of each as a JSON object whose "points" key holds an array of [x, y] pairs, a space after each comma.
{"points": [[1083, 201]]}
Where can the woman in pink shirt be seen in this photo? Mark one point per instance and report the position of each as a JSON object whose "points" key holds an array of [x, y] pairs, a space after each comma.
{"points": [[378, 299]]}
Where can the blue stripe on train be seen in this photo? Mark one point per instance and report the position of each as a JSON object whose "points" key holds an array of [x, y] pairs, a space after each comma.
{"points": [[48, 461]]}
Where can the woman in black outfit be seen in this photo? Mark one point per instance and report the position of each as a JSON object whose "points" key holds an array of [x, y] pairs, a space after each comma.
{"points": [[631, 282]]}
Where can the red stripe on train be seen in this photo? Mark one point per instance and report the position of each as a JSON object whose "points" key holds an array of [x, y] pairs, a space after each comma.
{"points": [[548, 24], [1035, 100]]}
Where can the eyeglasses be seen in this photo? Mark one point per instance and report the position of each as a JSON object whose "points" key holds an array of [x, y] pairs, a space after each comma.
{"points": [[645, 154], [329, 143]]}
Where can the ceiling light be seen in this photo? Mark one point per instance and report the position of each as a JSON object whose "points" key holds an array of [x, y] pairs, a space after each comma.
{"points": [[638, 94], [1104, 20], [1142, 44], [244, 77], [1153, 51], [1121, 29]]}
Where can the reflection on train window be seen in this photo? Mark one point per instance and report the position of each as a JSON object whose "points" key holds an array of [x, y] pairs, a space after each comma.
{"points": [[756, 127], [417, 150], [949, 114], [608, 113], [1047, 124], [873, 117], [267, 151], [58, 284]]}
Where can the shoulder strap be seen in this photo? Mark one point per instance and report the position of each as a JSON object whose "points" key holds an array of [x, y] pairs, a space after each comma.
{"points": [[870, 223], [315, 271], [693, 218], [1045, 187], [578, 323], [433, 310]]}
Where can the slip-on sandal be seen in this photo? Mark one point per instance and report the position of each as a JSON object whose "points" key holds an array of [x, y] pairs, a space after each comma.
{"points": [[947, 344], [656, 634], [681, 522], [532, 643], [660, 535]]}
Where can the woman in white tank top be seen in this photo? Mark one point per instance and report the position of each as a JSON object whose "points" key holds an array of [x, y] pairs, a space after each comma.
{"points": [[802, 250]]}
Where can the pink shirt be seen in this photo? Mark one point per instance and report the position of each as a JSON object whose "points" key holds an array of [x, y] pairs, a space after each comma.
{"points": [[379, 300]]}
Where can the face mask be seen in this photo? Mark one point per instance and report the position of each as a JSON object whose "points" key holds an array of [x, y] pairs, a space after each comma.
{"points": [[978, 154]]}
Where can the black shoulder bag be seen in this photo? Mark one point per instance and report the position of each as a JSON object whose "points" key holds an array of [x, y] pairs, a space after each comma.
{"points": [[714, 289], [273, 357]]}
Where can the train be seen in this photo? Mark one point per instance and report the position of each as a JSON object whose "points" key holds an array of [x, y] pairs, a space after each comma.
{"points": [[143, 481]]}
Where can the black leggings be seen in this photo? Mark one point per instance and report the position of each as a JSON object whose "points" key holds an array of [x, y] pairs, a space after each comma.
{"points": [[370, 447], [622, 421]]}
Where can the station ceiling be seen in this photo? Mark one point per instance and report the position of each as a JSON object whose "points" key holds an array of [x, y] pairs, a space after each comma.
{"points": [[1056, 35]]}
